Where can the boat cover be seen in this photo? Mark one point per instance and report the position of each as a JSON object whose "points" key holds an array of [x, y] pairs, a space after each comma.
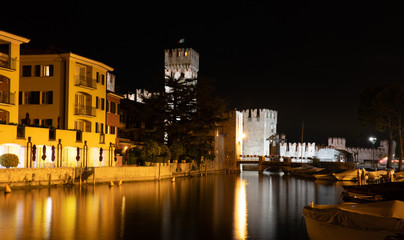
{"points": [[377, 216]]}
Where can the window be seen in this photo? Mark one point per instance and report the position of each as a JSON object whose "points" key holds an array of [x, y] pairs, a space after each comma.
{"points": [[102, 103], [97, 104], [37, 70], [26, 70], [106, 129], [31, 97], [47, 97], [46, 122], [112, 130], [96, 128], [107, 106], [19, 98], [47, 70], [98, 77], [102, 128], [113, 107]]}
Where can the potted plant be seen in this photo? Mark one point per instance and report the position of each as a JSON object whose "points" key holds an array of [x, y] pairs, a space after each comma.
{"points": [[9, 160]]}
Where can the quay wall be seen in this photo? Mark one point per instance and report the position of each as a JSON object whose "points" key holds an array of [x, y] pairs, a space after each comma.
{"points": [[27, 177], [36, 176]]}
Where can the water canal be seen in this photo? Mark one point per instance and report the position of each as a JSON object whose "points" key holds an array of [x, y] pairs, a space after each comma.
{"points": [[235, 206]]}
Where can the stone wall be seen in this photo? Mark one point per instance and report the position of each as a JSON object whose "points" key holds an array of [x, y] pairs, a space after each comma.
{"points": [[107, 174], [35, 176]]}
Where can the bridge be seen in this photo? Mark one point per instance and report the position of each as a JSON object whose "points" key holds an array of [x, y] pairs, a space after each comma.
{"points": [[265, 162]]}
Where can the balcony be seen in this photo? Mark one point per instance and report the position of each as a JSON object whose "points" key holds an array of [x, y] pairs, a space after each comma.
{"points": [[7, 98], [6, 62], [87, 82], [84, 111]]}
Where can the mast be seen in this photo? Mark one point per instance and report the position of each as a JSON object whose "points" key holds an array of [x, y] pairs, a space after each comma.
{"points": [[302, 144]]}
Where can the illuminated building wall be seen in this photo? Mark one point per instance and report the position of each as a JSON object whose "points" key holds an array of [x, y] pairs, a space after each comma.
{"points": [[57, 89], [258, 126], [63, 89], [9, 75]]}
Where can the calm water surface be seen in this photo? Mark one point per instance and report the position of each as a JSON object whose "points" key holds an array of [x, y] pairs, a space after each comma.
{"points": [[238, 206]]}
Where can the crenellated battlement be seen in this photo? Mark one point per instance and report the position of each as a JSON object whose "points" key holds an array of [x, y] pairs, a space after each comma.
{"points": [[295, 149], [337, 143], [260, 113]]}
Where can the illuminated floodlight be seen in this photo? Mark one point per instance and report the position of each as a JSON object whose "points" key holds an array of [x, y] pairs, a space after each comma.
{"points": [[372, 140]]}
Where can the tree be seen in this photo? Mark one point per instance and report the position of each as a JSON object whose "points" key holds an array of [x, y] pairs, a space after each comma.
{"points": [[381, 107], [150, 150], [186, 113], [176, 150], [165, 152]]}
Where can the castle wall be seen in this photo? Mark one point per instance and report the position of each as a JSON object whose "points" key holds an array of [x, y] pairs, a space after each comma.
{"points": [[361, 154], [294, 150]]}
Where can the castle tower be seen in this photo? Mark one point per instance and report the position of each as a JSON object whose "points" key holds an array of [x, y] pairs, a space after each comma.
{"points": [[181, 63], [258, 126], [181, 66]]}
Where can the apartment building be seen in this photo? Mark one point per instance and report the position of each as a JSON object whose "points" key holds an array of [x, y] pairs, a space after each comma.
{"points": [[9, 75], [59, 101], [63, 90]]}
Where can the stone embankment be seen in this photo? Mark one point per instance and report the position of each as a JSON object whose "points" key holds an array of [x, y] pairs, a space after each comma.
{"points": [[44, 177]]}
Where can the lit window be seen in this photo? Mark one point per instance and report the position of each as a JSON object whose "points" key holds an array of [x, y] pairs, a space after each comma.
{"points": [[47, 70], [186, 54]]}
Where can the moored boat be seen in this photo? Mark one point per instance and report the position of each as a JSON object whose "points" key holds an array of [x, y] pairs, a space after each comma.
{"points": [[377, 220], [325, 176], [387, 191], [350, 175]]}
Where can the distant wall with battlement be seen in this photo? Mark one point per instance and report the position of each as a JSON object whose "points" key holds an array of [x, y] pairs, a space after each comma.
{"points": [[295, 150], [361, 154]]}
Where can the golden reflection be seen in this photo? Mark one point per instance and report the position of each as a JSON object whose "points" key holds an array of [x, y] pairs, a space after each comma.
{"points": [[123, 209], [240, 210]]}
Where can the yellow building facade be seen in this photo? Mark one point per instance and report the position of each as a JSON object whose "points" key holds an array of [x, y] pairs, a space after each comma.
{"points": [[59, 106], [9, 75]]}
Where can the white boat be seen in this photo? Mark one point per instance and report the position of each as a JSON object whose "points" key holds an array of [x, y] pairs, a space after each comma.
{"points": [[378, 220], [350, 175]]}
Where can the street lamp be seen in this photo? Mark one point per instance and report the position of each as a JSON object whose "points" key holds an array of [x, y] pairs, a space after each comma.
{"points": [[373, 141]]}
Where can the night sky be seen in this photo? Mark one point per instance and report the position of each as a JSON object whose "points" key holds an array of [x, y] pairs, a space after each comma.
{"points": [[309, 60]]}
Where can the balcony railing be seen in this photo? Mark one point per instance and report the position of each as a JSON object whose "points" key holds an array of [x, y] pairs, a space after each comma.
{"points": [[7, 98], [84, 111], [10, 64], [82, 81]]}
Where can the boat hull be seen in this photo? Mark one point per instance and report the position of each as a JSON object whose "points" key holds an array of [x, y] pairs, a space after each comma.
{"points": [[320, 231]]}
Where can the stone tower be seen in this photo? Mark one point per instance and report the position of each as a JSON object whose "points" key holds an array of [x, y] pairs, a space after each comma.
{"points": [[181, 63], [258, 126]]}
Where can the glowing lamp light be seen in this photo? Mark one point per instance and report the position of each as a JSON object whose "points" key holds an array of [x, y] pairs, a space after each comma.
{"points": [[243, 135], [372, 140]]}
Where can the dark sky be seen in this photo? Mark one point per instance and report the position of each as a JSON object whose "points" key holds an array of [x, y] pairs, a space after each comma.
{"points": [[309, 60]]}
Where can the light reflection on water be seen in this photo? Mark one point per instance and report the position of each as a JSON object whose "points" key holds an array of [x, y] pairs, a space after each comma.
{"points": [[240, 210], [244, 206]]}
